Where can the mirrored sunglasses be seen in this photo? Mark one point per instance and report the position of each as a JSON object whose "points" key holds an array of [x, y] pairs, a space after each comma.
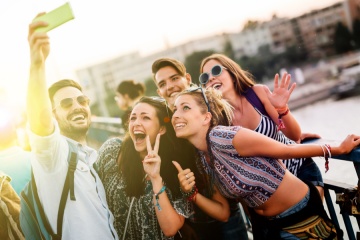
{"points": [[202, 93], [215, 71], [66, 103]]}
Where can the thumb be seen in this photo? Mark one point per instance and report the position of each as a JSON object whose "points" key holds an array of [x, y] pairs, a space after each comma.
{"points": [[177, 165]]}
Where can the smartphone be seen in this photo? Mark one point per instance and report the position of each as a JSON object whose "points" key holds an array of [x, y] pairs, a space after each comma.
{"points": [[56, 17]]}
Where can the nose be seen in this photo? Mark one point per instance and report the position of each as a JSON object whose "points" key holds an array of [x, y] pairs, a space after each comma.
{"points": [[169, 86], [175, 115]]}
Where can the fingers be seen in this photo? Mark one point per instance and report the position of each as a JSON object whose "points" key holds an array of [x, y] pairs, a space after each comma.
{"points": [[276, 81], [187, 181], [292, 88], [177, 165], [156, 147], [148, 144], [36, 24], [157, 143]]}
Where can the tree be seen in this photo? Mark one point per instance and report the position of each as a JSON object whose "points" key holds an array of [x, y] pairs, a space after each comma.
{"points": [[193, 61], [150, 87], [356, 33], [342, 39], [228, 49]]}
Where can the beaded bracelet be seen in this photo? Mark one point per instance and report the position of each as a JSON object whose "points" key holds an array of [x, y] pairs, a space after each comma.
{"points": [[192, 198], [157, 197], [188, 194]]}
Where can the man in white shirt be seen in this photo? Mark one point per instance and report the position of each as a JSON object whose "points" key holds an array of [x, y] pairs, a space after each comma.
{"points": [[55, 117]]}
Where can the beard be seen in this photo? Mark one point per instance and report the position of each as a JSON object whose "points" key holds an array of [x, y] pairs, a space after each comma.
{"points": [[73, 132]]}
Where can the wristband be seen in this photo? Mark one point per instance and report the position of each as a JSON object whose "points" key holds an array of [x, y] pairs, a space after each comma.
{"points": [[283, 109], [157, 197], [188, 194], [281, 124], [192, 197]]}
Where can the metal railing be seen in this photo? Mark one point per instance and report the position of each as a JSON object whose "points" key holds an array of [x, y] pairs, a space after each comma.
{"points": [[347, 196]]}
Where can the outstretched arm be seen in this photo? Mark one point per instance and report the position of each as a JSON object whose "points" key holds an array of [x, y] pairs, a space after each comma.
{"points": [[249, 143], [217, 207], [38, 103]]}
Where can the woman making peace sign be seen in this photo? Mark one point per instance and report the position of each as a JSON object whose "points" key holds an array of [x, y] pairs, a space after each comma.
{"points": [[140, 179]]}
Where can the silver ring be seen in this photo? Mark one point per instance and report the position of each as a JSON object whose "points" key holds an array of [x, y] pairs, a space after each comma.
{"points": [[187, 177]]}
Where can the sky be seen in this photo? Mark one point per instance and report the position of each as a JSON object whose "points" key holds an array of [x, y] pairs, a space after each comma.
{"points": [[105, 29]]}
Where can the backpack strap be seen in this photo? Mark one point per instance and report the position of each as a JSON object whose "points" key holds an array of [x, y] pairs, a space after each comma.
{"points": [[255, 101], [40, 208], [68, 186]]}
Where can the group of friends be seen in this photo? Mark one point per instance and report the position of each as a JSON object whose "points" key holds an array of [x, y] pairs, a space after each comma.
{"points": [[189, 157]]}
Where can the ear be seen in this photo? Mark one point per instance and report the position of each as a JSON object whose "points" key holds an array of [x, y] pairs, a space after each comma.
{"points": [[208, 117], [162, 130], [188, 78], [126, 97]]}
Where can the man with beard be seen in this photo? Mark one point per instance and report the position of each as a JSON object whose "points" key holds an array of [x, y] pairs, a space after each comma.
{"points": [[59, 117]]}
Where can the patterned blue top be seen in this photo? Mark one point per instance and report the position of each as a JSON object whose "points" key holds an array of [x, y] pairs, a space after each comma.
{"points": [[143, 223], [254, 179]]}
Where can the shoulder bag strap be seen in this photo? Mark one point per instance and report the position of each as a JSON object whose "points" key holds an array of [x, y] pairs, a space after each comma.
{"points": [[128, 216], [255, 100]]}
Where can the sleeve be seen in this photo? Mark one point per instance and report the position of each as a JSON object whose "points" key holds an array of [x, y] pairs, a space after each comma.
{"points": [[221, 138], [49, 152], [183, 207], [108, 153]]}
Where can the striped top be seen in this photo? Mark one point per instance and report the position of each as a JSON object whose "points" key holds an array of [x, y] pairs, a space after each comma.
{"points": [[268, 128], [253, 179]]}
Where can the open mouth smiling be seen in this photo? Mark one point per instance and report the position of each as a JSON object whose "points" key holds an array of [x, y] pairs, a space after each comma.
{"points": [[139, 136], [78, 117], [217, 86]]}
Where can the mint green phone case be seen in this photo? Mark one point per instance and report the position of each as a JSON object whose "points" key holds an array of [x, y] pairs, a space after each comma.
{"points": [[56, 17]]}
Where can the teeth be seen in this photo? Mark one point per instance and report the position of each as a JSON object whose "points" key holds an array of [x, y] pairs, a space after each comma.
{"points": [[179, 125], [78, 117], [174, 94], [217, 86], [138, 132]]}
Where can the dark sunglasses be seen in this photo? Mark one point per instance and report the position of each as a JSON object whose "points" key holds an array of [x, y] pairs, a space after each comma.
{"points": [[68, 102], [215, 71], [203, 94]]}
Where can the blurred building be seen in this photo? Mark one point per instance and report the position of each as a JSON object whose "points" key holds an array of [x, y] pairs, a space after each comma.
{"points": [[312, 33]]}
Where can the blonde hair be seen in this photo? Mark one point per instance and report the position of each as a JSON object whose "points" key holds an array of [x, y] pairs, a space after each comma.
{"points": [[221, 111]]}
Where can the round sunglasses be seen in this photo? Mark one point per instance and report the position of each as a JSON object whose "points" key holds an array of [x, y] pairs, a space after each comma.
{"points": [[215, 71], [66, 103]]}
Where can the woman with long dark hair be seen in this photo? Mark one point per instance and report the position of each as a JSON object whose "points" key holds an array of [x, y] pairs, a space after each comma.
{"points": [[140, 181]]}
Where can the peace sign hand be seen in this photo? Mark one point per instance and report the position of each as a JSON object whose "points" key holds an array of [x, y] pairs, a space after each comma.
{"points": [[152, 161], [186, 178], [281, 92]]}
